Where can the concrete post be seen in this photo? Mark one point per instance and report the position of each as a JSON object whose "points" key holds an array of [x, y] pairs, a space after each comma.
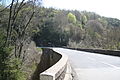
{"points": [[47, 76]]}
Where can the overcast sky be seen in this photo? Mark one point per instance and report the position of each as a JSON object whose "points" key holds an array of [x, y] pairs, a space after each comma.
{"points": [[108, 8]]}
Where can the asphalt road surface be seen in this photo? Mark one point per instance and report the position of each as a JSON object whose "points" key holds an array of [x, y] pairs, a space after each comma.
{"points": [[91, 66]]}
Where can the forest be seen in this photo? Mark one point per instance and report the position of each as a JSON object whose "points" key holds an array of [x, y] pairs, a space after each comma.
{"points": [[23, 22], [62, 28]]}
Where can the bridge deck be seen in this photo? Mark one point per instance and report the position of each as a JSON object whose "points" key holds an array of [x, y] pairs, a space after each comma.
{"points": [[91, 66]]}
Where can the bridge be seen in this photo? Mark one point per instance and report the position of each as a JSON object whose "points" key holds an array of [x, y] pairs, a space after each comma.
{"points": [[80, 65]]}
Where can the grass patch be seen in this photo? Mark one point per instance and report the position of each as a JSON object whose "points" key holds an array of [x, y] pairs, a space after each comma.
{"points": [[39, 49]]}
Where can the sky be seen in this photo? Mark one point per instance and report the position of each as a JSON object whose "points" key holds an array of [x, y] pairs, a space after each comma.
{"points": [[107, 8]]}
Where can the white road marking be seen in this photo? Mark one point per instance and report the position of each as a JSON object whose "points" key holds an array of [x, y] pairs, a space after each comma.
{"points": [[104, 63], [110, 65]]}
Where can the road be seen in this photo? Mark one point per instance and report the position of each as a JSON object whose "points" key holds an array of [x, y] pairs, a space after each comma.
{"points": [[91, 66]]}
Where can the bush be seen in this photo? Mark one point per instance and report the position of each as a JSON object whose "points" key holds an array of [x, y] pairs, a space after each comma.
{"points": [[71, 18], [10, 66]]}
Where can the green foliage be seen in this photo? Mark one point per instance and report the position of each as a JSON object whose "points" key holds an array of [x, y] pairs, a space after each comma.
{"points": [[39, 49], [33, 66], [4, 54], [14, 68], [113, 22], [71, 18], [10, 67], [84, 19], [118, 46], [103, 21], [80, 25], [82, 28], [15, 33], [97, 35], [2, 37]]}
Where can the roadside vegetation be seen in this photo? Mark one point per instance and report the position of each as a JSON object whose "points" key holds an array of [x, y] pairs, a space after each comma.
{"points": [[16, 31]]}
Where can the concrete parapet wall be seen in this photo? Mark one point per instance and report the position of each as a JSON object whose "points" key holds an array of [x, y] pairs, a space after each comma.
{"points": [[48, 59], [56, 70], [101, 51]]}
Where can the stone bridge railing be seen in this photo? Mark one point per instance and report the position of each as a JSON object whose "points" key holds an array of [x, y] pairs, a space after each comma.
{"points": [[56, 71]]}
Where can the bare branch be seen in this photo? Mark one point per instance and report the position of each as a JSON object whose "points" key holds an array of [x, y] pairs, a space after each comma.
{"points": [[9, 23], [5, 8]]}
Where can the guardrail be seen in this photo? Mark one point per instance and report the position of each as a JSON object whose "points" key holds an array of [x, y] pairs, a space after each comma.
{"points": [[57, 70]]}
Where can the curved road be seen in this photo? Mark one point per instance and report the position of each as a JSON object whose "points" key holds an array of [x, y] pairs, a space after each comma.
{"points": [[91, 66]]}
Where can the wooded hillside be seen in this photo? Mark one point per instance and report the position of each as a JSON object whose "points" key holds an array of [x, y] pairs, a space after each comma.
{"points": [[61, 28]]}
